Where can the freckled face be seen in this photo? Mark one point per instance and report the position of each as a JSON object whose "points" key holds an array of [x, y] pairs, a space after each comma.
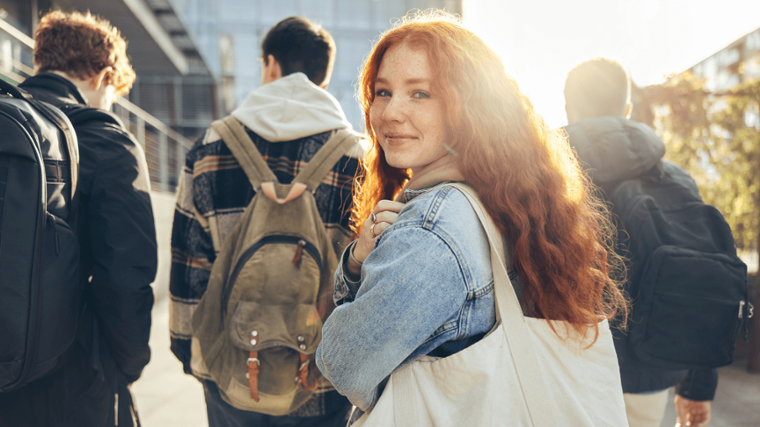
{"points": [[407, 116]]}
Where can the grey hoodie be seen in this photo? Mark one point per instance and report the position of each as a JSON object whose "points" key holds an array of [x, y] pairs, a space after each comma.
{"points": [[290, 108], [615, 148]]}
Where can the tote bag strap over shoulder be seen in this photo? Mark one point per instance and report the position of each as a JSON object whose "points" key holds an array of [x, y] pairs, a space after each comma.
{"points": [[515, 329]]}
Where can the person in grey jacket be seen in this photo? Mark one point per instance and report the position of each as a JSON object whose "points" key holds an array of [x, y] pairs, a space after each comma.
{"points": [[614, 148]]}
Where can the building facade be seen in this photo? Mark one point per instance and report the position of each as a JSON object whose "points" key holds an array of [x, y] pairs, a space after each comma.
{"points": [[737, 63], [734, 64], [174, 96], [228, 34]]}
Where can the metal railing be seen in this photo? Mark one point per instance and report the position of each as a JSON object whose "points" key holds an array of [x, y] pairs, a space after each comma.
{"points": [[164, 147]]}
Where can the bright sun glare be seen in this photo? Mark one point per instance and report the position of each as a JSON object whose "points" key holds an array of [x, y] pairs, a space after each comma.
{"points": [[540, 41]]}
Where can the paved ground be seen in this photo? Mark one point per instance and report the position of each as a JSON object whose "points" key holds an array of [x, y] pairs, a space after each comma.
{"points": [[737, 400], [166, 397]]}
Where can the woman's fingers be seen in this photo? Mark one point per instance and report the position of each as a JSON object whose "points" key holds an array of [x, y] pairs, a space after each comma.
{"points": [[378, 228], [383, 216], [388, 205], [386, 216], [386, 211]]}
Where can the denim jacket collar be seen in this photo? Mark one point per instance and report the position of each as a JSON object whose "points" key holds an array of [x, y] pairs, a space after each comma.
{"points": [[410, 194]]}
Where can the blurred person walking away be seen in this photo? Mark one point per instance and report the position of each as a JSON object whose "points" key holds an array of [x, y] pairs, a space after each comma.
{"points": [[476, 228], [82, 66], [241, 164], [679, 253]]}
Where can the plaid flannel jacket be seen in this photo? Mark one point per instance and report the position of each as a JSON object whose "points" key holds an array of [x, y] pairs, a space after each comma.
{"points": [[213, 192]]}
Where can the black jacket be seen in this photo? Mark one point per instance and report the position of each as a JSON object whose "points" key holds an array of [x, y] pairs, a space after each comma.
{"points": [[118, 262], [611, 150]]}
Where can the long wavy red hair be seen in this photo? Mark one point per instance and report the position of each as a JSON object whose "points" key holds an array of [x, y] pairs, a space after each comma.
{"points": [[526, 175]]}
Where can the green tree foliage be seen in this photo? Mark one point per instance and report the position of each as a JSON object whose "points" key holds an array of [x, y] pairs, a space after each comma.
{"points": [[708, 135]]}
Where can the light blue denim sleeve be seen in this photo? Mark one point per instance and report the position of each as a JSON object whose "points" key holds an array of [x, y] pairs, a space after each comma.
{"points": [[411, 284]]}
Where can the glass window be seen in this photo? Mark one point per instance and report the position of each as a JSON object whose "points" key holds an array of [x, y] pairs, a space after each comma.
{"points": [[227, 53], [247, 65], [385, 12], [350, 54], [273, 12], [353, 13], [237, 10], [318, 11]]}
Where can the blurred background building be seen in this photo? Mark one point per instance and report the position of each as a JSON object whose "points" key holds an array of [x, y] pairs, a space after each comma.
{"points": [[228, 34], [736, 63], [173, 98], [196, 60]]}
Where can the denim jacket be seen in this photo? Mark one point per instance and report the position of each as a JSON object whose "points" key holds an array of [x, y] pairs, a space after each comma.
{"points": [[425, 289]]}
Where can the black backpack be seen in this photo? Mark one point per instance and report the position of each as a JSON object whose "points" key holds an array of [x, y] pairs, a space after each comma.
{"points": [[40, 297], [688, 287]]}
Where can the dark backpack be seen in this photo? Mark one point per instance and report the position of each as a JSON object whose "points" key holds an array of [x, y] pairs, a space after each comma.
{"points": [[40, 295], [688, 287]]}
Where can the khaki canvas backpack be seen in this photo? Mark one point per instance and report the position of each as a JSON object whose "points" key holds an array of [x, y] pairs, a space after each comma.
{"points": [[260, 320]]}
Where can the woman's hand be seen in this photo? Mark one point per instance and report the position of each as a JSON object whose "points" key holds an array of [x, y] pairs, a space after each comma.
{"points": [[382, 217]]}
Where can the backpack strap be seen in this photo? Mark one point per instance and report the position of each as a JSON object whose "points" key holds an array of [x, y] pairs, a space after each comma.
{"points": [[59, 120], [261, 176], [326, 158], [62, 122], [242, 147]]}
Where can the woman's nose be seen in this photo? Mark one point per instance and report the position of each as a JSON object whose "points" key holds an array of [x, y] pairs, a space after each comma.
{"points": [[395, 110]]}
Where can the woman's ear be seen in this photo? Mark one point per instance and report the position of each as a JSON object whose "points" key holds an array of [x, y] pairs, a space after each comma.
{"points": [[97, 80]]}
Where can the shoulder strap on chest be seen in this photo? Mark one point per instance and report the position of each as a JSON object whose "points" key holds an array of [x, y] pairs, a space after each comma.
{"points": [[261, 176]]}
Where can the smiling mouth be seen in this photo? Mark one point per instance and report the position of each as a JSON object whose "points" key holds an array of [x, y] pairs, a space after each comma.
{"points": [[394, 138]]}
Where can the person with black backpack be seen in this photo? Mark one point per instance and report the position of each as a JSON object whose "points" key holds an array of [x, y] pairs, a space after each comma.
{"points": [[97, 329], [687, 286], [263, 209]]}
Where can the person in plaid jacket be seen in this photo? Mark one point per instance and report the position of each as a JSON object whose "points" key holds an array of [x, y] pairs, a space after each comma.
{"points": [[289, 117]]}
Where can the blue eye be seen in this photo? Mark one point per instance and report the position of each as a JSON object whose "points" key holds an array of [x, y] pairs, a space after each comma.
{"points": [[382, 92], [421, 95]]}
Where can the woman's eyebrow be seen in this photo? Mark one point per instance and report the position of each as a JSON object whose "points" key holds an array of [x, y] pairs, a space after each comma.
{"points": [[417, 81], [409, 81]]}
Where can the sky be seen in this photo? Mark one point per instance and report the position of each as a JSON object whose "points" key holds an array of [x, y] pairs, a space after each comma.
{"points": [[541, 40]]}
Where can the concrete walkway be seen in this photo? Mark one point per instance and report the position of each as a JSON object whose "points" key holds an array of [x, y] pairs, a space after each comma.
{"points": [[166, 397]]}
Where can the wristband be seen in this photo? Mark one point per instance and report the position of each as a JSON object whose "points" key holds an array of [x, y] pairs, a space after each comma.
{"points": [[351, 254]]}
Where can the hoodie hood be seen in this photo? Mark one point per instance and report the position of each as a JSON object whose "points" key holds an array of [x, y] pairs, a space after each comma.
{"points": [[615, 148], [290, 108]]}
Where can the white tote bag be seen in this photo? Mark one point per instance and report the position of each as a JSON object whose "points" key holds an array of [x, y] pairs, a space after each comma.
{"points": [[520, 374]]}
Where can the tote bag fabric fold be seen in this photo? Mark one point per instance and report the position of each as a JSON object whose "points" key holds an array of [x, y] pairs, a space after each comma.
{"points": [[521, 373]]}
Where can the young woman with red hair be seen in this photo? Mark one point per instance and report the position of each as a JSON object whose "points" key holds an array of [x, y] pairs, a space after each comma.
{"points": [[418, 281]]}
